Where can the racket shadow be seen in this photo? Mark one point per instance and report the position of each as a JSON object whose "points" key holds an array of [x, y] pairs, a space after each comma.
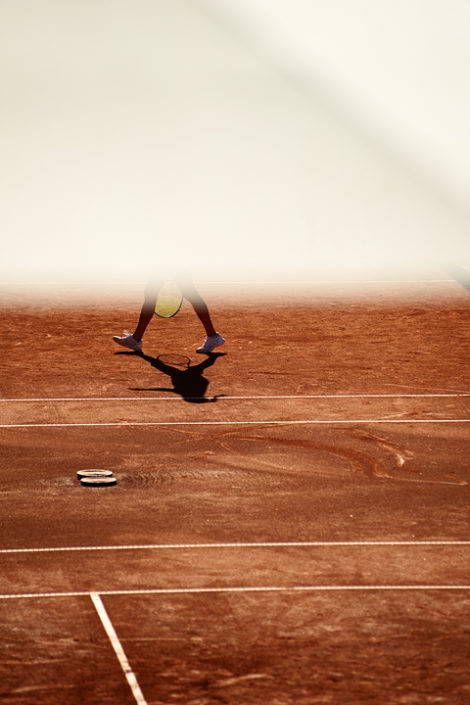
{"points": [[188, 382]]}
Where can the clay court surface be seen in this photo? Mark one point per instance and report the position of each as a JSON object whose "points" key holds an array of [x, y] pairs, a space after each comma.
{"points": [[290, 522]]}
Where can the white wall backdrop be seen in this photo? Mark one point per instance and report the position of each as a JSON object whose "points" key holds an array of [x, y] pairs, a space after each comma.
{"points": [[398, 67], [234, 138]]}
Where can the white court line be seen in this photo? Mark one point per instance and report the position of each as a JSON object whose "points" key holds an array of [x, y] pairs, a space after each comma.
{"points": [[308, 286], [343, 422], [236, 589], [119, 651], [450, 395], [316, 282], [276, 282], [262, 544]]}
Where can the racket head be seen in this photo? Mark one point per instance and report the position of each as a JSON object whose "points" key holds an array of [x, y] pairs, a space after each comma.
{"points": [[181, 362], [169, 300]]}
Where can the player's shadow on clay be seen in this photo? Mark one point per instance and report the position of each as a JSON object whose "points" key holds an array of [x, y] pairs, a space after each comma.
{"points": [[187, 380]]}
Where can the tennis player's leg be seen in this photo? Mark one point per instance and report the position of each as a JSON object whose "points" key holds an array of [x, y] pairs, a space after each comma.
{"points": [[147, 311], [213, 339], [134, 341]]}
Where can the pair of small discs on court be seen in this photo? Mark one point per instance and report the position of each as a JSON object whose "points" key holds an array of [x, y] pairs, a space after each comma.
{"points": [[96, 478]]}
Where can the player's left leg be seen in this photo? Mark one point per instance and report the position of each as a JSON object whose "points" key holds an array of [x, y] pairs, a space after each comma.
{"points": [[213, 339]]}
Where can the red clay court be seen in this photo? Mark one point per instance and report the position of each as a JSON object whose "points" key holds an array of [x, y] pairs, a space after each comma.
{"points": [[290, 522]]}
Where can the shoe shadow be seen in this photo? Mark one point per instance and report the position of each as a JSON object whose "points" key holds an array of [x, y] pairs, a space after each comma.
{"points": [[188, 380]]}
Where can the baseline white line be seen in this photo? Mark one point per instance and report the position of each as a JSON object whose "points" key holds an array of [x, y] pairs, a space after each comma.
{"points": [[119, 651], [342, 422], [313, 283], [261, 544], [229, 397], [206, 590], [275, 282]]}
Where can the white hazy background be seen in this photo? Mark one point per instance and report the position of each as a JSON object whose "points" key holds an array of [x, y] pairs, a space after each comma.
{"points": [[236, 139]]}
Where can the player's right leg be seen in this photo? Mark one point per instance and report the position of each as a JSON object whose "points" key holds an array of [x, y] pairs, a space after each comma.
{"points": [[134, 341], [147, 310]]}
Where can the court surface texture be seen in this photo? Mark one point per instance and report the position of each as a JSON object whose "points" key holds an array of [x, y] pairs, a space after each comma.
{"points": [[290, 522]]}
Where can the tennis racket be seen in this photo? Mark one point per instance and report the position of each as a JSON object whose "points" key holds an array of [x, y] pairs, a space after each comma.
{"points": [[169, 300], [181, 362]]}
